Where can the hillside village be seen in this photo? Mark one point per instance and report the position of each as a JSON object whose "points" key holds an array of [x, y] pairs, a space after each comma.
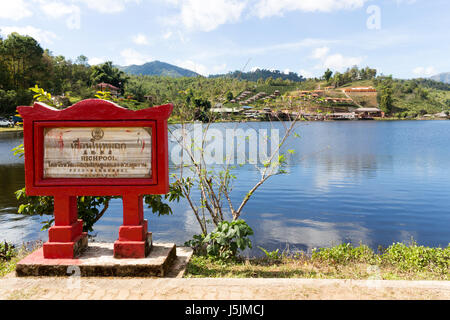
{"points": [[322, 104]]}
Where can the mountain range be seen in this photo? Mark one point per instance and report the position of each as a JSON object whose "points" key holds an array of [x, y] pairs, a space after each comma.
{"points": [[442, 77], [158, 68]]}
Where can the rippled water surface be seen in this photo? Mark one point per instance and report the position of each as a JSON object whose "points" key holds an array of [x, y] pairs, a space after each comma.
{"points": [[369, 181]]}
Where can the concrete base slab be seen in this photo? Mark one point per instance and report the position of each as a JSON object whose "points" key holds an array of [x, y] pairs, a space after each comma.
{"points": [[98, 261]]}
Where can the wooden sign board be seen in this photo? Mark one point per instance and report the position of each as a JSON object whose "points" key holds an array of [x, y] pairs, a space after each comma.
{"points": [[96, 148], [101, 152]]}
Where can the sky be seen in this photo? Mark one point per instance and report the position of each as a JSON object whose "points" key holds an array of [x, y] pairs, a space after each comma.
{"points": [[404, 38]]}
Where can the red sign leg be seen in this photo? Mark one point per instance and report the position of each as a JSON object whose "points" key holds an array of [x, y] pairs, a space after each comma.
{"points": [[134, 239], [66, 237]]}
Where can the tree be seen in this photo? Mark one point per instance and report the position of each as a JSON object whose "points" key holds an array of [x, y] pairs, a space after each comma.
{"points": [[107, 73], [201, 109], [215, 182], [338, 79], [22, 56], [327, 75], [353, 73], [136, 89], [82, 60], [229, 96], [385, 97]]}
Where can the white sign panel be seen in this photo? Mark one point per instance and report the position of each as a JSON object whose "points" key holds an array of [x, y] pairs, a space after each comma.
{"points": [[101, 152]]}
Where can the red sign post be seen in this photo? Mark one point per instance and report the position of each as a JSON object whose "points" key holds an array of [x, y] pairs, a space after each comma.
{"points": [[96, 148]]}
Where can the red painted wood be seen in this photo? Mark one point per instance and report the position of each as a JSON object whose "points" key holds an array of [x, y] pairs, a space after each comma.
{"points": [[120, 183], [65, 209], [133, 235], [94, 112]]}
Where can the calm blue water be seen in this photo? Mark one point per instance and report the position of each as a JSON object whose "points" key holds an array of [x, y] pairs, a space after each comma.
{"points": [[368, 181]]}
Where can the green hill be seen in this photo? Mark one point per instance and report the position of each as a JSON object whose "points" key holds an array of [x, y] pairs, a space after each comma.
{"points": [[258, 74], [158, 68]]}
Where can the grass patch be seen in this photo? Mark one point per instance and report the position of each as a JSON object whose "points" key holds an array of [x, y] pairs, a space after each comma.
{"points": [[10, 255], [17, 128], [398, 261]]}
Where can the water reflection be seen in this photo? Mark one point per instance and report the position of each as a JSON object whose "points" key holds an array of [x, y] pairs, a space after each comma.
{"points": [[370, 182]]}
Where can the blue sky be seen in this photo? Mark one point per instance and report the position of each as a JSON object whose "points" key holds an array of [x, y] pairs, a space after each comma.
{"points": [[405, 38]]}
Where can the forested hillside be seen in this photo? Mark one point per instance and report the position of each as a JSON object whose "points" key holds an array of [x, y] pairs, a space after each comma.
{"points": [[24, 63], [261, 74]]}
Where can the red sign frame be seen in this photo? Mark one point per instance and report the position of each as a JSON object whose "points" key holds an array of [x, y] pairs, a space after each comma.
{"points": [[66, 238], [95, 113]]}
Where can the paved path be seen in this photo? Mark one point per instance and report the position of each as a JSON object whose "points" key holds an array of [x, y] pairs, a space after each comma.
{"points": [[12, 287]]}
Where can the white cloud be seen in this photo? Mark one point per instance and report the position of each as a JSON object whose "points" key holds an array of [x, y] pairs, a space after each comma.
{"points": [[57, 10], [333, 61], [268, 8], [219, 68], [339, 62], [140, 39], [305, 43], [305, 73], [108, 6], [399, 2], [95, 60], [40, 35], [201, 68], [131, 56], [206, 15], [425, 71], [193, 66], [320, 53], [167, 35], [14, 9]]}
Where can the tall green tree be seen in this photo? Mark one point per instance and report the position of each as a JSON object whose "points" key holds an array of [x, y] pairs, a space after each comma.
{"points": [[385, 97], [23, 58], [327, 75], [107, 73]]}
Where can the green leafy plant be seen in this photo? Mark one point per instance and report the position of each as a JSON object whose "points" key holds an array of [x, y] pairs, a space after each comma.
{"points": [[197, 243], [272, 255], [344, 253], [104, 95], [227, 238], [417, 258], [155, 201], [43, 96], [7, 251], [19, 151]]}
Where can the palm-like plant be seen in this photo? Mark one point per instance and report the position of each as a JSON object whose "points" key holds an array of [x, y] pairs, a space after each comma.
{"points": [[107, 73]]}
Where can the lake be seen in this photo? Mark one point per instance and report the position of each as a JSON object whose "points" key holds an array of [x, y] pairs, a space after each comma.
{"points": [[375, 182]]}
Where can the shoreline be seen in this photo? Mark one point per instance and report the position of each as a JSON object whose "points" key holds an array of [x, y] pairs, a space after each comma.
{"points": [[20, 129], [15, 129]]}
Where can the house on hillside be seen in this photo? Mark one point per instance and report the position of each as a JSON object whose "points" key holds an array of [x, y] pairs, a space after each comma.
{"points": [[368, 113], [226, 110], [108, 87], [360, 89]]}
